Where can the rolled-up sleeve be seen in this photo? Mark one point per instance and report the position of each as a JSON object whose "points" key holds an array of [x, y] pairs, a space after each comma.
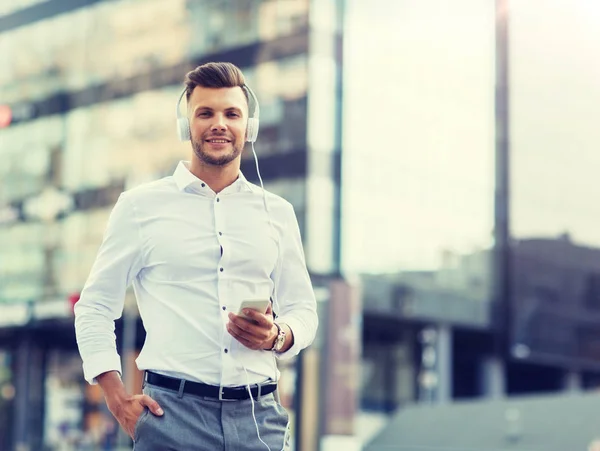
{"points": [[294, 293], [118, 262]]}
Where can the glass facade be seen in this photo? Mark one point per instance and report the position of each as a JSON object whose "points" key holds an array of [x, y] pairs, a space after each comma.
{"points": [[555, 103], [229, 23], [90, 45], [22, 266], [114, 40]]}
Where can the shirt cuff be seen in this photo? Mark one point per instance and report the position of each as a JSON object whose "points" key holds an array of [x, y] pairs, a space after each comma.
{"points": [[296, 328], [99, 364]]}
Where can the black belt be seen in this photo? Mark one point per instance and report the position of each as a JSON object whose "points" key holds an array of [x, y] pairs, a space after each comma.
{"points": [[211, 391]]}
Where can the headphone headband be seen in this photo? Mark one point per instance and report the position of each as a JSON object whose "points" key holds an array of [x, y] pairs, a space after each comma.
{"points": [[183, 123]]}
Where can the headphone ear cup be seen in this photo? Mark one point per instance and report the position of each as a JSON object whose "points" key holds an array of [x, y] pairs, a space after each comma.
{"points": [[252, 130], [183, 129]]}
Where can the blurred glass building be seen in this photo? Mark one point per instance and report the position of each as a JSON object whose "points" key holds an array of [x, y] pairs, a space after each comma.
{"points": [[463, 200]]}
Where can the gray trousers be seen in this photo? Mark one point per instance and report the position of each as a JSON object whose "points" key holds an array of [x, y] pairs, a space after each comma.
{"points": [[193, 423]]}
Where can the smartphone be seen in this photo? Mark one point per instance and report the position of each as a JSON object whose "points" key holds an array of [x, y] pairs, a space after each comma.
{"points": [[260, 305]]}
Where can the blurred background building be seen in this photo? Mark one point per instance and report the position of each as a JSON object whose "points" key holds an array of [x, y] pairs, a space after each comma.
{"points": [[441, 157]]}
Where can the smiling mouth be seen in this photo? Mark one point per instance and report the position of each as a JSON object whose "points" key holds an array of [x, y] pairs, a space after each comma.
{"points": [[217, 141]]}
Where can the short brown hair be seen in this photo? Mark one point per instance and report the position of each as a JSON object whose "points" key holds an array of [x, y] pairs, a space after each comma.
{"points": [[215, 75]]}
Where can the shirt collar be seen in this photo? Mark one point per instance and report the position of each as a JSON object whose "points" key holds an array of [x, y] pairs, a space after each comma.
{"points": [[244, 183], [184, 179]]}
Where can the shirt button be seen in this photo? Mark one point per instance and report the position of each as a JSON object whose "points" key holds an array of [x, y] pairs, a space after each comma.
{"points": [[203, 185], [221, 269], [226, 351], [224, 308], [218, 199], [220, 233]]}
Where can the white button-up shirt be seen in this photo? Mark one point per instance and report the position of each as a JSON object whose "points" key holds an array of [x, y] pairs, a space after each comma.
{"points": [[193, 256]]}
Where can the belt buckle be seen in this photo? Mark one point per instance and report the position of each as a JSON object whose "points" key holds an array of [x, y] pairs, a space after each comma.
{"points": [[221, 394]]}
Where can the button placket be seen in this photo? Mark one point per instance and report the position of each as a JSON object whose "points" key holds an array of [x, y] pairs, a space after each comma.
{"points": [[217, 227], [221, 262], [227, 340]]}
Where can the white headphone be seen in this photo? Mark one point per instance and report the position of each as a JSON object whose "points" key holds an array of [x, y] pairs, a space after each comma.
{"points": [[183, 123]]}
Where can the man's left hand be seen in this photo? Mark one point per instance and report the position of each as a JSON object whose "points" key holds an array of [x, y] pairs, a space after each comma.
{"points": [[258, 332]]}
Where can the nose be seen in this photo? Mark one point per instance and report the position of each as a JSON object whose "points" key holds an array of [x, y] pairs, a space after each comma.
{"points": [[219, 124]]}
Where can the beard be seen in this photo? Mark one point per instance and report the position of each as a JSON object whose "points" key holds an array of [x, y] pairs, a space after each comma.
{"points": [[221, 159]]}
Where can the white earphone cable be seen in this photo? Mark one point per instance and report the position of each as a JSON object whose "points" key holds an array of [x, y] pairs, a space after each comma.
{"points": [[253, 414], [276, 304]]}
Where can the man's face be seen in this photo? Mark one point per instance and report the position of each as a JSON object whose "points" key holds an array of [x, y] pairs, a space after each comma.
{"points": [[218, 119]]}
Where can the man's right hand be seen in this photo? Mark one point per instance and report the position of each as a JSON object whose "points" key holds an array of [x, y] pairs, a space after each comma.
{"points": [[125, 408], [128, 410]]}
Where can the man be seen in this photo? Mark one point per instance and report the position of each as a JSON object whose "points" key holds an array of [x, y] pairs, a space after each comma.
{"points": [[195, 245]]}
